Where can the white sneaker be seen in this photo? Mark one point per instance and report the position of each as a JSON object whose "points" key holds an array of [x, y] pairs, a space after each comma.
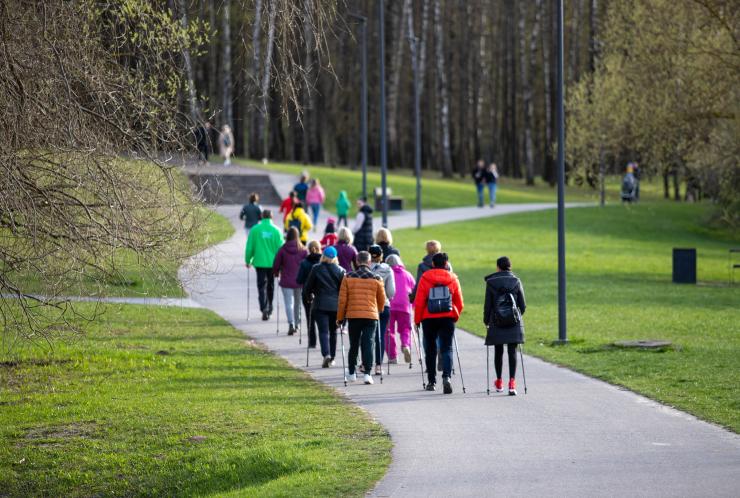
{"points": [[351, 377], [368, 379], [406, 354]]}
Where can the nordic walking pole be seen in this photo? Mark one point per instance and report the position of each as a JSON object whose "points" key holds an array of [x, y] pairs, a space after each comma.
{"points": [[300, 329], [488, 371], [308, 342], [380, 343], [459, 366], [524, 376], [341, 338], [277, 298], [387, 345], [249, 288], [419, 350]]}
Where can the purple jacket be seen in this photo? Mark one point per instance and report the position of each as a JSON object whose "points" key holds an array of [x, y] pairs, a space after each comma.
{"points": [[287, 262], [346, 254], [404, 286]]}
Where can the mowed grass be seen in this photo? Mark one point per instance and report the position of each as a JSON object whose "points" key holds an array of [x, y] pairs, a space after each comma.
{"points": [[439, 193], [157, 401], [619, 288]]}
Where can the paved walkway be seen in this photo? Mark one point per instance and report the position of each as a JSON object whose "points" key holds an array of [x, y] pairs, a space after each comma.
{"points": [[181, 302], [570, 436]]}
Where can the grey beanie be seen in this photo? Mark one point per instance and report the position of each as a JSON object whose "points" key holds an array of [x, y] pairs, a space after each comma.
{"points": [[394, 260]]}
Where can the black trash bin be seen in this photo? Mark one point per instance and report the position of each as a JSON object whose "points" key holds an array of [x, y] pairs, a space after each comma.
{"points": [[684, 266]]}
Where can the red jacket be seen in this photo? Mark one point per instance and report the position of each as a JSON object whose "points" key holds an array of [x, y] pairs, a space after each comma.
{"points": [[286, 207], [433, 278], [329, 239]]}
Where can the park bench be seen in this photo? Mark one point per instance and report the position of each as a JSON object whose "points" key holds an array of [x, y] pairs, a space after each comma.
{"points": [[395, 202]]}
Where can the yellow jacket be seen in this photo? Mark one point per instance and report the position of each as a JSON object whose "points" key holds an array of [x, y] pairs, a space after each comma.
{"points": [[299, 214]]}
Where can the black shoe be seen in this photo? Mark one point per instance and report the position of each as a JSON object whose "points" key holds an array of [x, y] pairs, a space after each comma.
{"points": [[265, 316], [291, 329], [446, 385], [431, 387]]}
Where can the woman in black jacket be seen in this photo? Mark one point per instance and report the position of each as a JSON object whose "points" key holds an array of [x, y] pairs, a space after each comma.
{"points": [[313, 258], [322, 288], [503, 320], [384, 239]]}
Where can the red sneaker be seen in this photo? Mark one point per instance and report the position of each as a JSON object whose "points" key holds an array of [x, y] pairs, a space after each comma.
{"points": [[512, 387], [499, 385]]}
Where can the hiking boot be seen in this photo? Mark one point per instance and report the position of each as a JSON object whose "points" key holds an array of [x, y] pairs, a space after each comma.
{"points": [[406, 354], [393, 361], [327, 362], [499, 385], [446, 385], [378, 370], [368, 379], [291, 329], [512, 387], [431, 387]]}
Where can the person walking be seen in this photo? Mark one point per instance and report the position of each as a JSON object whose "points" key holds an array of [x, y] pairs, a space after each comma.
{"points": [[298, 219], [629, 184], [363, 227], [384, 239], [342, 206], [286, 207], [502, 317], [226, 144], [361, 296], [263, 243], [389, 286], [301, 188], [479, 177], [492, 181], [315, 199], [330, 237], [322, 289], [400, 318], [346, 252], [438, 313], [203, 141], [251, 212], [636, 173], [313, 258], [287, 262]]}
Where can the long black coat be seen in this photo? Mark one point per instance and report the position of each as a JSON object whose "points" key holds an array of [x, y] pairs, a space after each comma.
{"points": [[323, 283], [497, 283]]}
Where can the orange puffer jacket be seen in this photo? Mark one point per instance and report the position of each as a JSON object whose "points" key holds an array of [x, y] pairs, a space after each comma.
{"points": [[433, 278], [361, 295]]}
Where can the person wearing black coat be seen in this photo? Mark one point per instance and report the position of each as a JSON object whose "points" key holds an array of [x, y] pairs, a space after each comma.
{"points": [[313, 258], [322, 288], [498, 284], [363, 228], [384, 239]]}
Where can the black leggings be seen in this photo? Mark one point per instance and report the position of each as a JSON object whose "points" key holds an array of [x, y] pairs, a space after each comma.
{"points": [[498, 359]]}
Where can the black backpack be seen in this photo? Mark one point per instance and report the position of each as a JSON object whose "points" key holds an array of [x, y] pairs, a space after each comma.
{"points": [[506, 312], [439, 300], [297, 224]]}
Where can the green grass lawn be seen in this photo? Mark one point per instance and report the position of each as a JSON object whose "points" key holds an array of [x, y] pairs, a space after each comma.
{"points": [[156, 401], [437, 192], [619, 288]]}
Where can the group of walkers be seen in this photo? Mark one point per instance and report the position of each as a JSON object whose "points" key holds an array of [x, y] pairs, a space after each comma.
{"points": [[208, 139], [355, 278]]}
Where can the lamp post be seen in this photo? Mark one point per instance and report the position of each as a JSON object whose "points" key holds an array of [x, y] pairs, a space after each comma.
{"points": [[562, 324], [363, 105], [417, 129], [383, 145]]}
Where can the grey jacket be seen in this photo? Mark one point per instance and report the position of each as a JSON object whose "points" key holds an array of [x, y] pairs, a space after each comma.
{"points": [[389, 282]]}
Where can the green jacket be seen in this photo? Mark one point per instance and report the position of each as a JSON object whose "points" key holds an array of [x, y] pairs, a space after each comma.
{"points": [[343, 204], [263, 243]]}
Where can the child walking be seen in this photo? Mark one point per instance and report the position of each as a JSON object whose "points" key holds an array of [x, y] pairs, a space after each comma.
{"points": [[330, 236], [342, 206], [400, 320]]}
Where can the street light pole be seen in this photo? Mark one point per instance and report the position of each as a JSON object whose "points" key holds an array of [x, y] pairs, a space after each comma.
{"points": [[562, 324], [363, 105], [383, 145], [417, 130]]}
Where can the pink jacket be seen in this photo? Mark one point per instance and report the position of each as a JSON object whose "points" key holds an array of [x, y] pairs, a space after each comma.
{"points": [[404, 286], [315, 195]]}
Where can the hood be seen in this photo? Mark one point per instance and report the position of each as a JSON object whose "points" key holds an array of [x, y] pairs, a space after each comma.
{"points": [[498, 274], [298, 212], [439, 276], [291, 247], [398, 269], [313, 258], [366, 209]]}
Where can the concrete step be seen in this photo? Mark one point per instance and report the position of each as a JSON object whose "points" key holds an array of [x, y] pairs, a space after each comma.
{"points": [[234, 189]]}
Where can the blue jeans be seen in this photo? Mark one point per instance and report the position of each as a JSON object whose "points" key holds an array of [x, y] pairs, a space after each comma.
{"points": [[444, 330], [480, 187], [385, 315], [315, 209], [492, 193]]}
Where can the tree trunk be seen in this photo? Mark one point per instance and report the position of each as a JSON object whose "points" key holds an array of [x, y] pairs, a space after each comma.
{"points": [[192, 98], [444, 104], [266, 74], [423, 45], [228, 110], [212, 77], [593, 44], [311, 136], [394, 82], [255, 111], [666, 186], [574, 42], [527, 90]]}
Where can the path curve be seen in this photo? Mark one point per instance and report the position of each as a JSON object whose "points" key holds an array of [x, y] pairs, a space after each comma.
{"points": [[570, 436]]}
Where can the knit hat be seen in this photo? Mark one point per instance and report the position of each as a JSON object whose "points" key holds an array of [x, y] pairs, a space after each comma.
{"points": [[394, 260], [331, 220], [375, 250], [330, 252]]}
